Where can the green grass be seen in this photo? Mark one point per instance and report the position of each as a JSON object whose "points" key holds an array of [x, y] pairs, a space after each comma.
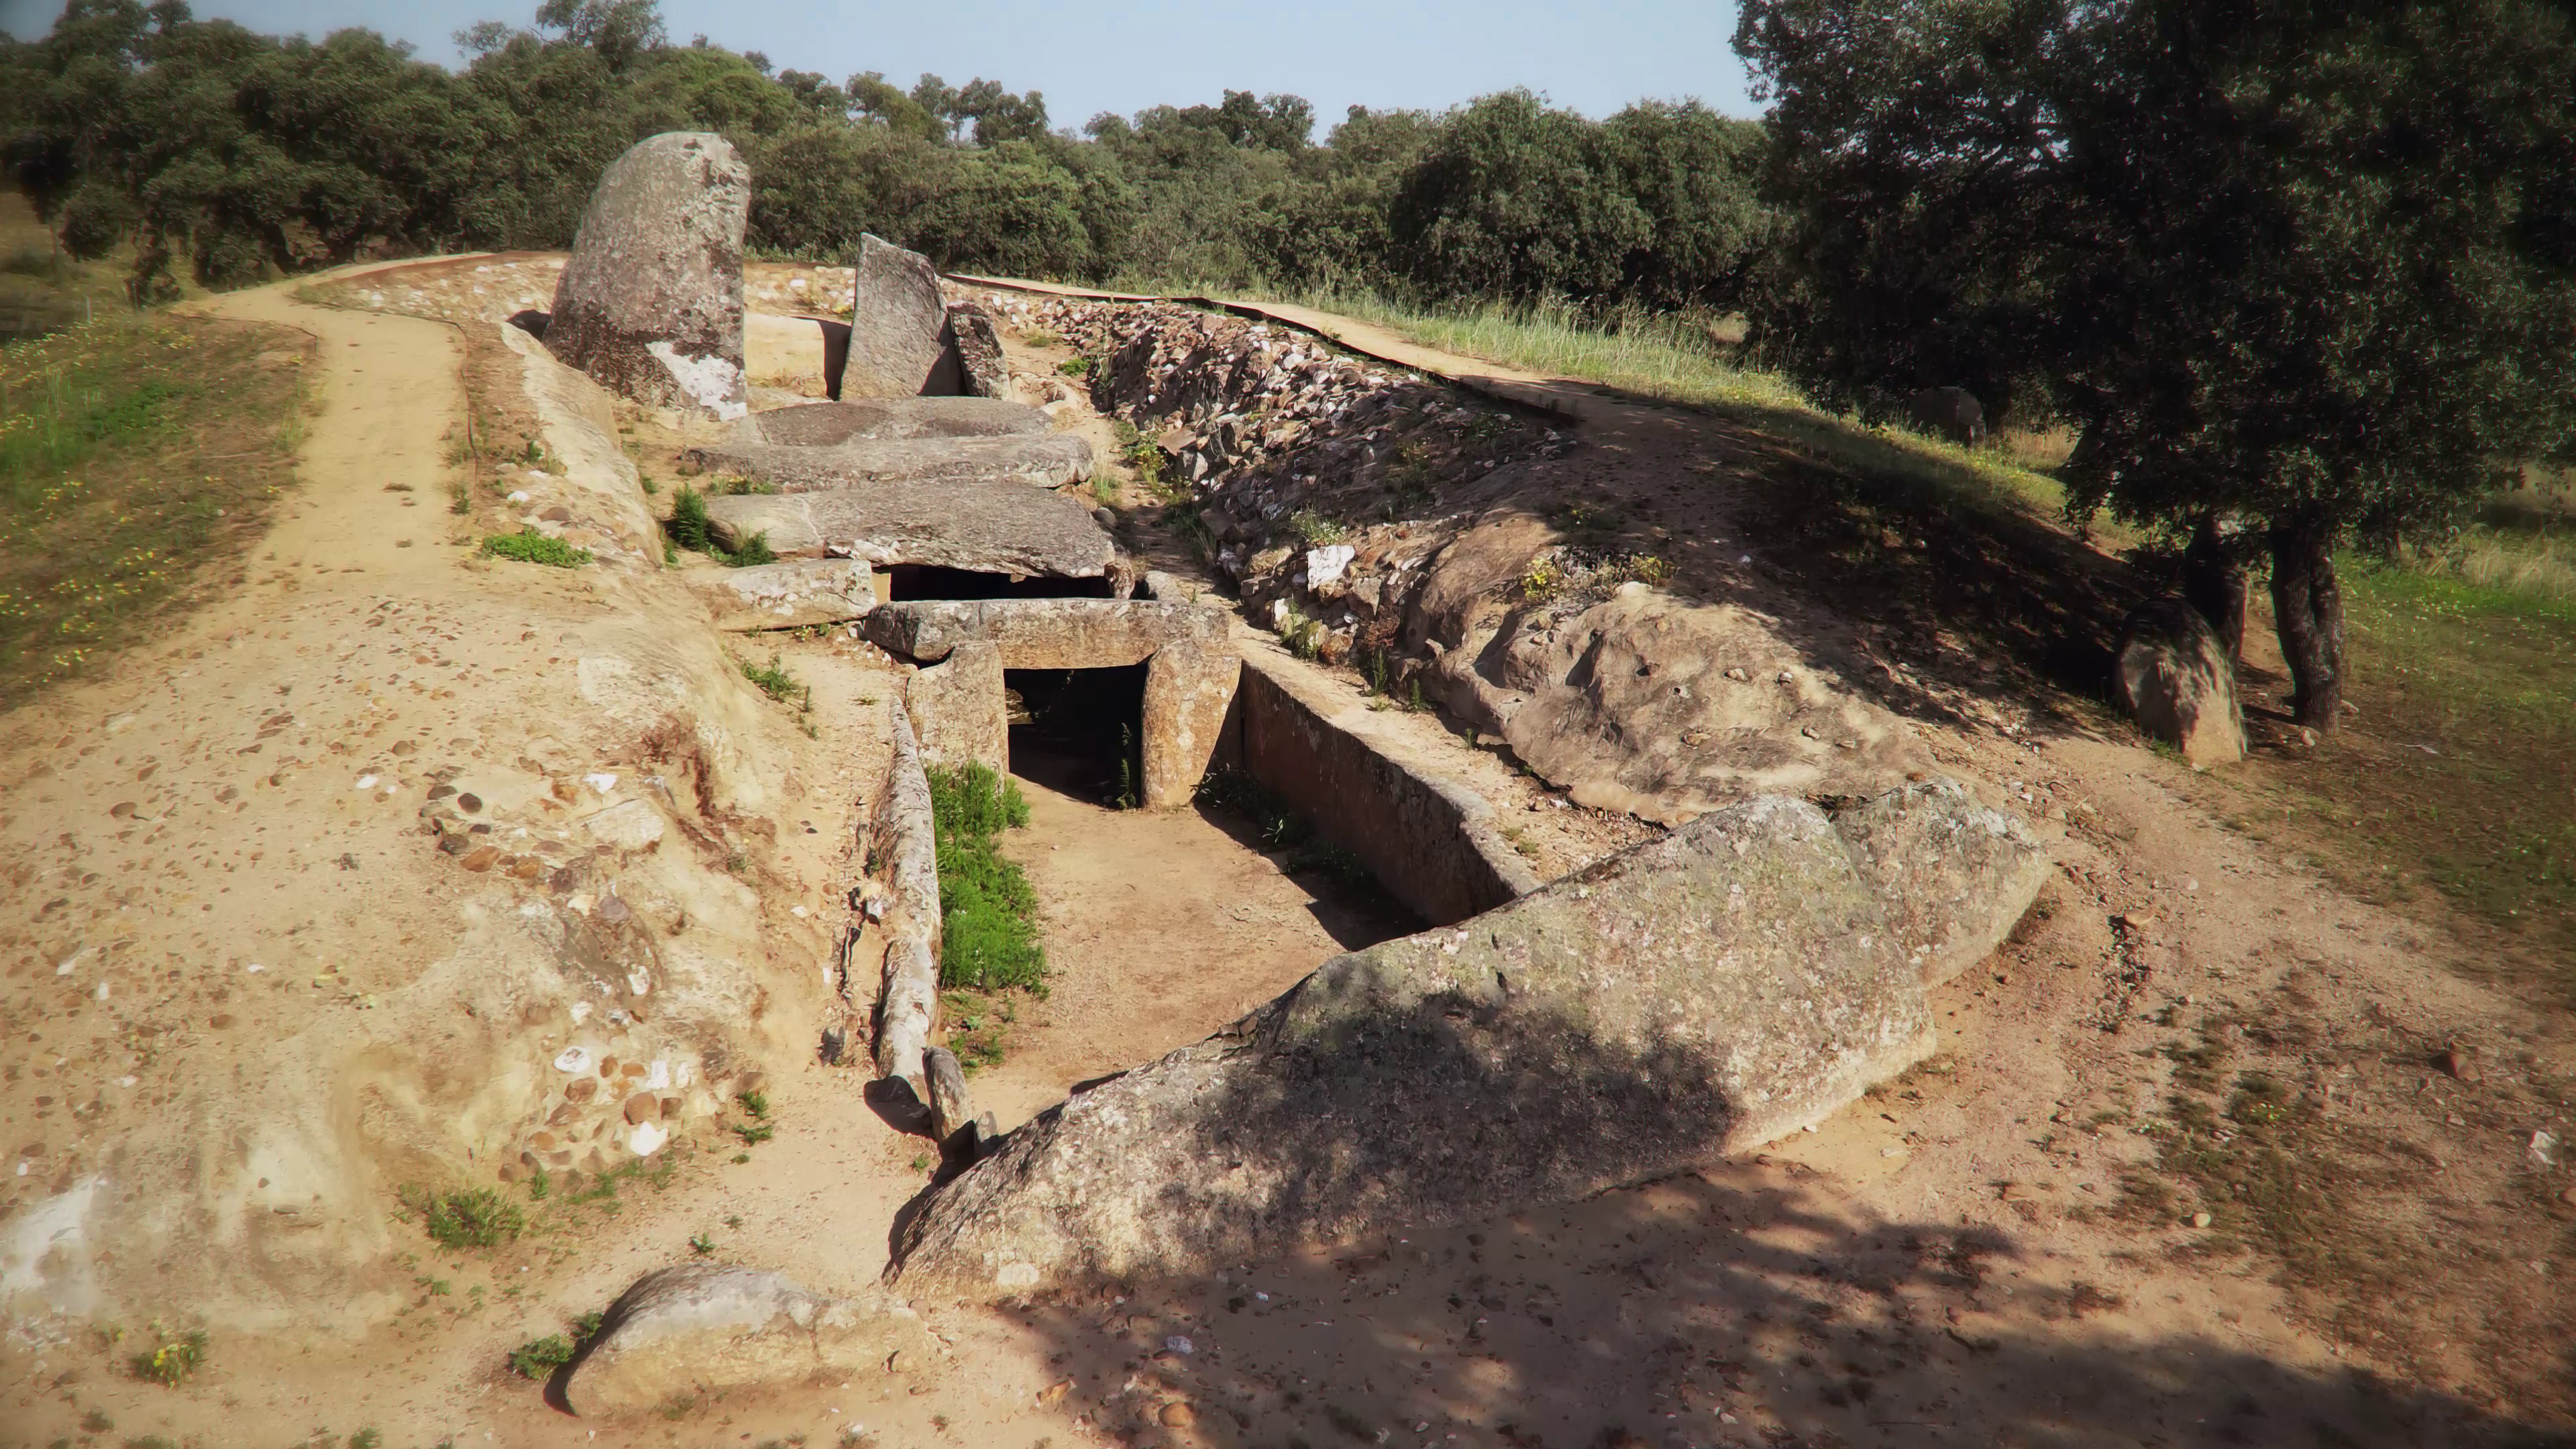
{"points": [[139, 457], [988, 911], [538, 1358], [530, 546], [172, 1359], [472, 1217], [773, 680]]}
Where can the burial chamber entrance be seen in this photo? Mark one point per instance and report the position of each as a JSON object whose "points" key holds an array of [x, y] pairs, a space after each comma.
{"points": [[1079, 732], [906, 583]]}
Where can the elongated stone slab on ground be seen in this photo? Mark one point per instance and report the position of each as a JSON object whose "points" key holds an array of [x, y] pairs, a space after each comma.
{"points": [[786, 595], [1046, 633], [898, 327], [650, 304], [1956, 876], [698, 1328], [1695, 996], [825, 425], [982, 527], [1044, 460]]}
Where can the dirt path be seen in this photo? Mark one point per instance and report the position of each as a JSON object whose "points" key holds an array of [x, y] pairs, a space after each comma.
{"points": [[1160, 928]]}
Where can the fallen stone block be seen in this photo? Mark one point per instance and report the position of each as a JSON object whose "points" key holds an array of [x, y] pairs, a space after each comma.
{"points": [[786, 595], [699, 1328], [1042, 460], [1045, 633], [650, 303], [950, 1110], [1695, 996], [2177, 682], [899, 344], [1954, 876], [983, 527]]}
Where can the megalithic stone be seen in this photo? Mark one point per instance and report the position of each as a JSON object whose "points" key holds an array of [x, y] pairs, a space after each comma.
{"points": [[899, 339], [650, 305]]}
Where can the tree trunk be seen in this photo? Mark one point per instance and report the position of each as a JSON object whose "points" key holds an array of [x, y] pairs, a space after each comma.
{"points": [[2307, 608], [2213, 582]]}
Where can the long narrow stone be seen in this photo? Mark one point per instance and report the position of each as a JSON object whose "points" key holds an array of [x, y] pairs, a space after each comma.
{"points": [[902, 835], [999, 528]]}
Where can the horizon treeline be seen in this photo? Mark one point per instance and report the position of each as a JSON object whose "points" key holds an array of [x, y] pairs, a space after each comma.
{"points": [[236, 156]]}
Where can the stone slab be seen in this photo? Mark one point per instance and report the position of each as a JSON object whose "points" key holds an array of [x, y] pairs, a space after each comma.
{"points": [[1696, 996], [788, 595], [1043, 460], [898, 327], [961, 709], [982, 527], [683, 1332], [1045, 633]]}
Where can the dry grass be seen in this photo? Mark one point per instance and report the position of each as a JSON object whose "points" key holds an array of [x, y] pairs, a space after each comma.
{"points": [[1689, 359], [139, 456]]}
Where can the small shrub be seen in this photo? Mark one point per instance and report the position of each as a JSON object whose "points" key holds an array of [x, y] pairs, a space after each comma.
{"points": [[1075, 367], [540, 1357], [530, 546], [772, 678], [1317, 530], [170, 1364], [367, 1438], [472, 1217], [754, 550], [688, 523]]}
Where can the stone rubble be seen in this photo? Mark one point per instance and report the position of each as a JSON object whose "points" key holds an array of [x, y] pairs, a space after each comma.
{"points": [[1287, 448]]}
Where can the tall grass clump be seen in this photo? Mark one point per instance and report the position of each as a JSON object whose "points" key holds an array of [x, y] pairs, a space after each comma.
{"points": [[988, 911]]}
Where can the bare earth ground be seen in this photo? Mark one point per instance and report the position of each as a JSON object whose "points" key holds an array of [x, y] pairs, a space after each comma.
{"points": [[1995, 1251]]}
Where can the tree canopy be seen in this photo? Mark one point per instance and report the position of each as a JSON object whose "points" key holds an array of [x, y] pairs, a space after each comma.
{"points": [[2306, 265], [242, 155]]}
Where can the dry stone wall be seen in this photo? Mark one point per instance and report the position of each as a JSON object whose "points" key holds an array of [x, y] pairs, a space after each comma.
{"points": [[1439, 541]]}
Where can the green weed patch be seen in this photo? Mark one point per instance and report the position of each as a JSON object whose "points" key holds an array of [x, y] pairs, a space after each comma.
{"points": [[530, 546], [986, 905]]}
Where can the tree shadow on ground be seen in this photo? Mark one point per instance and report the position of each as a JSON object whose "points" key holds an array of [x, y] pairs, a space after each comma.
{"points": [[1745, 1304], [1737, 1307]]}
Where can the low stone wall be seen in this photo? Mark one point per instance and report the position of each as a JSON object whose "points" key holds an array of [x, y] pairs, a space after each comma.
{"points": [[1430, 840]]}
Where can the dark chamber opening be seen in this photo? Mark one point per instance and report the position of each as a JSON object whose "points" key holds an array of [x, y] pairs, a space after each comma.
{"points": [[1080, 731], [928, 581]]}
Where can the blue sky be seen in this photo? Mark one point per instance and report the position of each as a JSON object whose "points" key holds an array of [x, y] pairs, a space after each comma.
{"points": [[1087, 58]]}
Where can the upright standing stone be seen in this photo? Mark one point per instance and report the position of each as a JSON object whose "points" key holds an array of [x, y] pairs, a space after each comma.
{"points": [[650, 306], [961, 708], [980, 368], [2177, 681], [1188, 689], [899, 341]]}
